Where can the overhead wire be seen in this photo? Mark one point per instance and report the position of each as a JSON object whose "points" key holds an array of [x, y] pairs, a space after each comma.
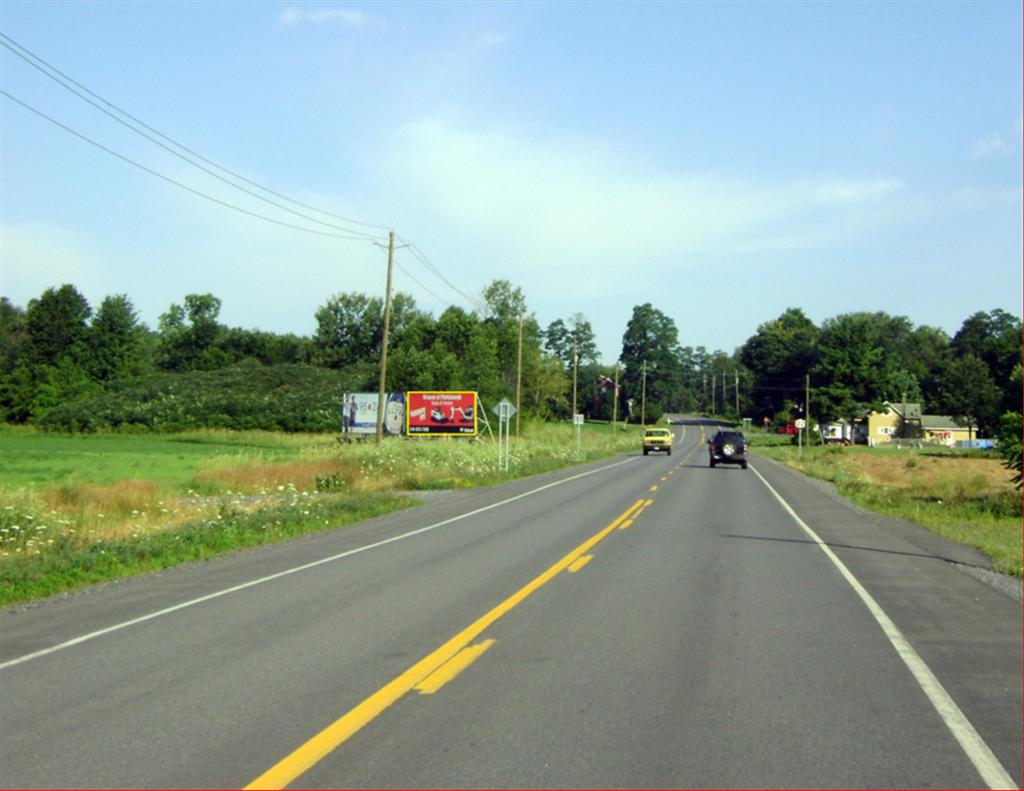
{"points": [[187, 159], [168, 179], [67, 82], [421, 256], [46, 68]]}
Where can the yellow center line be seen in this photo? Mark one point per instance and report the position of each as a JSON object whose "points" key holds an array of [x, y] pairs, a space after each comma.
{"points": [[301, 760], [452, 668], [654, 488], [580, 563]]}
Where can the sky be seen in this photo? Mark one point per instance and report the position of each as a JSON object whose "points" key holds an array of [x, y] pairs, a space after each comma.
{"points": [[722, 161]]}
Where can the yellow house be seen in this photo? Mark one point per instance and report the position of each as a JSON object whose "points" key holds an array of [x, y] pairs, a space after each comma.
{"points": [[881, 428], [943, 430]]}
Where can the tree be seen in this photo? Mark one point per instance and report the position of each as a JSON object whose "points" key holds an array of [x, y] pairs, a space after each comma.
{"points": [[861, 360], [995, 339], [188, 335], [13, 335], [349, 329], [651, 357], [969, 395], [503, 302], [1011, 427], [115, 340], [56, 325], [779, 356], [575, 339], [545, 396]]}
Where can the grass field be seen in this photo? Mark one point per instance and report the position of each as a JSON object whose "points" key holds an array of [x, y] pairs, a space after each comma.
{"points": [[965, 496], [79, 509]]}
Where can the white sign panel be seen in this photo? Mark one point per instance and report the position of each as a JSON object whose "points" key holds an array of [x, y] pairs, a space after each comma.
{"points": [[359, 413]]}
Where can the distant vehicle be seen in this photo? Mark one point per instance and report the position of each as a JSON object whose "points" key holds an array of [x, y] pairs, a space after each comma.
{"points": [[789, 428], [727, 447], [837, 433], [658, 439]]}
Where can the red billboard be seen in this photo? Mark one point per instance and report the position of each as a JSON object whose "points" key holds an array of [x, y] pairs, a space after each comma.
{"points": [[440, 413]]}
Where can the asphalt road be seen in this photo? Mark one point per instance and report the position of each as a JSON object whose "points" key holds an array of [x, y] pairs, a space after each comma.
{"points": [[637, 622]]}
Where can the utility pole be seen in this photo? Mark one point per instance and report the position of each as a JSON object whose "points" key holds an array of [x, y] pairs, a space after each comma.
{"points": [[704, 392], [615, 400], [643, 396], [807, 405], [519, 373], [384, 340], [737, 396], [714, 378], [575, 369]]}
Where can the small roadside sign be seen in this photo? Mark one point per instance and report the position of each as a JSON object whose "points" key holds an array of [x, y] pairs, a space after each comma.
{"points": [[504, 409], [577, 420], [800, 423]]}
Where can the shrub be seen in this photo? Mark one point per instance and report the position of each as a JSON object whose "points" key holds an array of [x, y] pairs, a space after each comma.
{"points": [[289, 398]]}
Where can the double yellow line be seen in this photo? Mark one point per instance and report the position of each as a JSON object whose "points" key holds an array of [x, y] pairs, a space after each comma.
{"points": [[428, 674]]}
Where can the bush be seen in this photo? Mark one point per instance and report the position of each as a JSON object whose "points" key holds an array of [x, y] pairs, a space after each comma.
{"points": [[274, 398], [1010, 444]]}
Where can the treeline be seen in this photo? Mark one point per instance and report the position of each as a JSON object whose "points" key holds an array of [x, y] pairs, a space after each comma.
{"points": [[64, 365], [57, 352], [856, 361]]}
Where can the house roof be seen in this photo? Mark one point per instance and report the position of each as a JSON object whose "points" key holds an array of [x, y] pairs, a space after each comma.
{"points": [[913, 409], [944, 422]]}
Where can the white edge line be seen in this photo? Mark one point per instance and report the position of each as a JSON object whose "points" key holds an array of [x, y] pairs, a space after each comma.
{"points": [[252, 583], [979, 753]]}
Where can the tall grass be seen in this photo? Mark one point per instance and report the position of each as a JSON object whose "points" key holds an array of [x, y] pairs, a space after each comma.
{"points": [[189, 496], [965, 497]]}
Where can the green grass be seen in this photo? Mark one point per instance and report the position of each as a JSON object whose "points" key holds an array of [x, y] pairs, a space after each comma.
{"points": [[963, 496], [80, 509], [69, 562], [32, 460]]}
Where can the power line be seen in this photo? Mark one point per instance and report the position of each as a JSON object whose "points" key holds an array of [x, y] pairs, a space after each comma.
{"points": [[66, 82], [169, 180], [478, 304], [436, 296], [46, 68]]}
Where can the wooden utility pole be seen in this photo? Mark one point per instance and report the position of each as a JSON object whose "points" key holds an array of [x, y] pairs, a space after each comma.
{"points": [[575, 368], [519, 373], [615, 399], [737, 396], [384, 340], [643, 396], [714, 378], [807, 405]]}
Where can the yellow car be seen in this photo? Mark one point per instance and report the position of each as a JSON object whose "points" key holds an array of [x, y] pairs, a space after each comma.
{"points": [[658, 439]]}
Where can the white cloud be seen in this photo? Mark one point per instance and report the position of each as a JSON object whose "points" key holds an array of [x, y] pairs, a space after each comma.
{"points": [[977, 199], [991, 146], [350, 17], [855, 191], [999, 145], [575, 214]]}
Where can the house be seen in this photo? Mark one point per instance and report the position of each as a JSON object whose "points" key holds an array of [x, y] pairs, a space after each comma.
{"points": [[897, 421], [943, 430], [906, 421]]}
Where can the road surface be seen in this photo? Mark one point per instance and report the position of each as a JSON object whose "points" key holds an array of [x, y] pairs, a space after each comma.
{"points": [[635, 622]]}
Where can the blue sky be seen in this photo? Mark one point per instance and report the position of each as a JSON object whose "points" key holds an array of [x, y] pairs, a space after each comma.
{"points": [[723, 161]]}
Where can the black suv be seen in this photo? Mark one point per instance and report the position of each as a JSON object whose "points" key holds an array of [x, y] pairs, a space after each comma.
{"points": [[728, 447]]}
